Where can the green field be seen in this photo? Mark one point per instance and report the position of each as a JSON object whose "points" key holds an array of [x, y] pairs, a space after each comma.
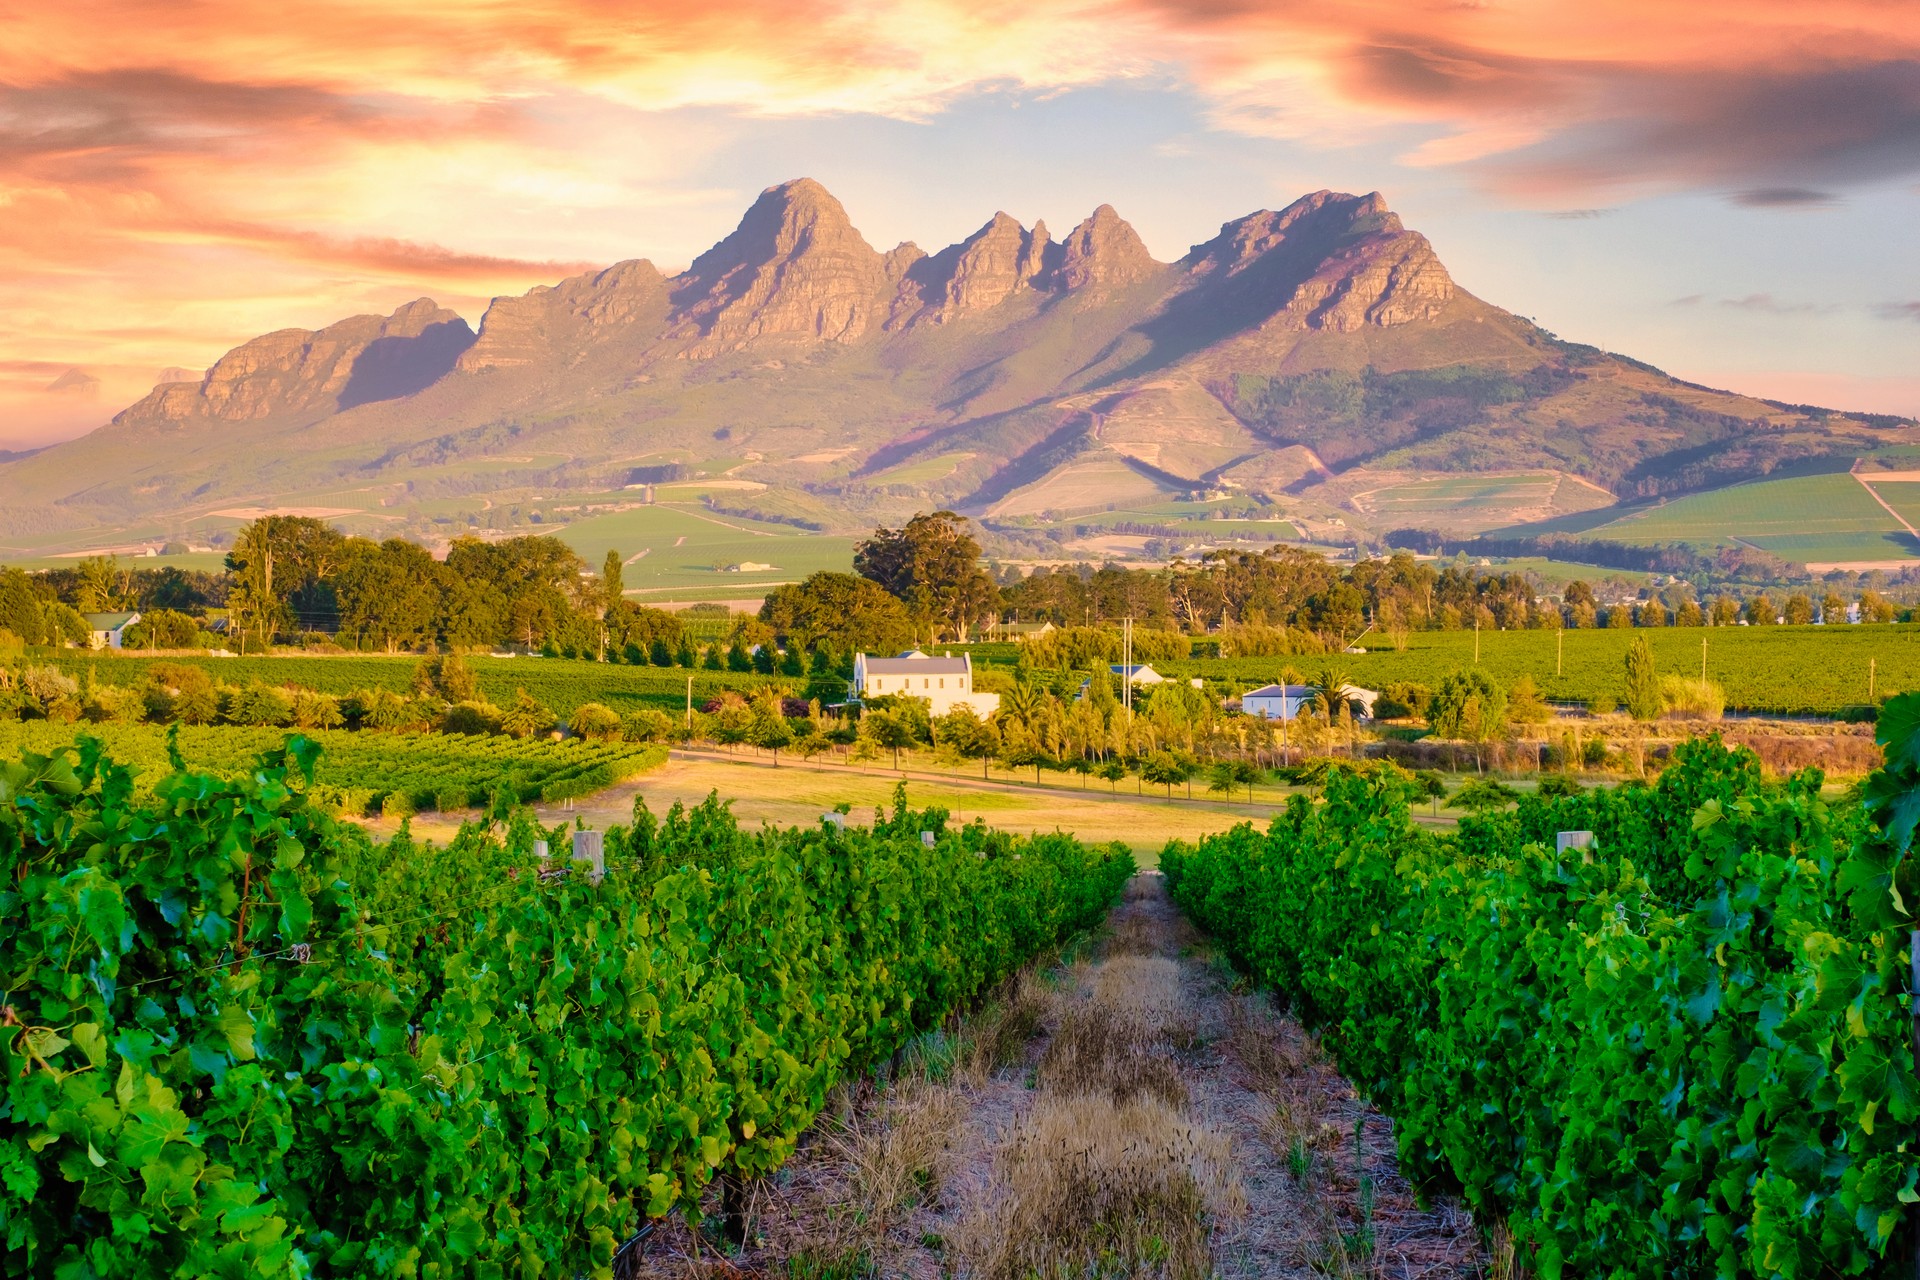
{"points": [[560, 684], [1788, 670], [1420, 498], [1827, 518], [359, 770], [684, 546]]}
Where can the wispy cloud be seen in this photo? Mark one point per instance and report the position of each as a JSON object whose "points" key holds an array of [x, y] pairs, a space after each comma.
{"points": [[167, 160]]}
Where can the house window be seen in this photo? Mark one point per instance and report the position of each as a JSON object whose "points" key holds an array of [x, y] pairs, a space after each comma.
{"points": [[943, 682]]}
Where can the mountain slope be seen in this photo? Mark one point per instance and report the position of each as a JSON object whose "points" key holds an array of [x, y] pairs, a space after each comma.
{"points": [[1300, 356]]}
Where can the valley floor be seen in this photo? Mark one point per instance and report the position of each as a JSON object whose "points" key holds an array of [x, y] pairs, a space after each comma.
{"points": [[1128, 1111]]}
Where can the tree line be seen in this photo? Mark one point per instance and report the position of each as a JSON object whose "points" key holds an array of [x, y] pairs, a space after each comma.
{"points": [[294, 577]]}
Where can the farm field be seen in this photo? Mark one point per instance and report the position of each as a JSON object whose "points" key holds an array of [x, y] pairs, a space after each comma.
{"points": [[1786, 670], [797, 793], [670, 545], [559, 683], [1825, 518], [358, 771], [594, 1050], [1474, 502], [1505, 1006]]}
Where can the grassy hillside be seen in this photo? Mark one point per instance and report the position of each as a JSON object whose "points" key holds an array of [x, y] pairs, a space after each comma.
{"points": [[1830, 518]]}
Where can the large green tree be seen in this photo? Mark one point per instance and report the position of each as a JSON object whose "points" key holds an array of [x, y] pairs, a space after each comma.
{"points": [[280, 568], [841, 611], [932, 565]]}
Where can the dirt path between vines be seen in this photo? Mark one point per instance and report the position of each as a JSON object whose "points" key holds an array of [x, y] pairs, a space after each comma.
{"points": [[1124, 1111]]}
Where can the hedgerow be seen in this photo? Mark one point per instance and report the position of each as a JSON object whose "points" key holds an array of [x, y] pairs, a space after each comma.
{"points": [[241, 1039], [1683, 1052]]}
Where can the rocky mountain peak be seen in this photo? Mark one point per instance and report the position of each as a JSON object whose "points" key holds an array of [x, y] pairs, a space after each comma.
{"points": [[980, 272], [794, 266], [1329, 260], [529, 329], [316, 372], [1104, 251]]}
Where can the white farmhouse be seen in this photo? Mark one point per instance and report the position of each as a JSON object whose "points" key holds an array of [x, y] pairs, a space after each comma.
{"points": [[1285, 701], [946, 682], [1277, 701], [109, 628]]}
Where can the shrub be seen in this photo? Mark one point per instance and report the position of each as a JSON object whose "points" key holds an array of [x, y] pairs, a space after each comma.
{"points": [[1692, 697], [594, 720], [646, 725], [471, 717]]}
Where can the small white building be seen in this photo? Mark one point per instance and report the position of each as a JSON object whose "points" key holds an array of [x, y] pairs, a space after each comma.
{"points": [[1277, 701], [1285, 701], [109, 628], [945, 682], [1137, 674]]}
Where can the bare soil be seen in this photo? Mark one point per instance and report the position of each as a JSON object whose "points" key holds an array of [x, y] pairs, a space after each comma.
{"points": [[1127, 1109]]}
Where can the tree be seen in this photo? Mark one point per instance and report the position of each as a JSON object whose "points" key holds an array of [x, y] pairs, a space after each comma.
{"points": [[1525, 705], [1165, 768], [889, 729], [646, 725], [20, 609], [1643, 683], [446, 677], [387, 595], [594, 720], [1799, 609], [842, 611], [769, 730], [279, 567], [1113, 770], [1481, 794], [1468, 706], [738, 659], [1429, 785], [932, 565], [526, 717], [610, 578], [1559, 784], [965, 734], [1761, 611]]}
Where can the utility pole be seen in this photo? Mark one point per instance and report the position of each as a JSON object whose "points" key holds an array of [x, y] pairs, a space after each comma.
{"points": [[689, 703], [1559, 650]]}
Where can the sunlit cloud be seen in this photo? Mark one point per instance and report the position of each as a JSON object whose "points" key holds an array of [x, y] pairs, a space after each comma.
{"points": [[171, 176]]}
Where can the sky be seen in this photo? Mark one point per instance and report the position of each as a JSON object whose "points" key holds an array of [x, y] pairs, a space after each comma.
{"points": [[1729, 189]]}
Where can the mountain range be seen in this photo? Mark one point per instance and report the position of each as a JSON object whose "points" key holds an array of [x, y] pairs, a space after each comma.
{"points": [[1304, 358]]}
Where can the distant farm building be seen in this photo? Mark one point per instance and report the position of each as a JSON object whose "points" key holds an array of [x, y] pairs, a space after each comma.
{"points": [[1019, 630], [945, 682], [108, 629]]}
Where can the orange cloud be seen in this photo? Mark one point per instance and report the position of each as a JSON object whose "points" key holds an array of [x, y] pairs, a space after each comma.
{"points": [[157, 163]]}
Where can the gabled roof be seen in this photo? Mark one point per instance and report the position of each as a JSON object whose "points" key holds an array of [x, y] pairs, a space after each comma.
{"points": [[914, 663], [1122, 669], [110, 621], [1280, 690]]}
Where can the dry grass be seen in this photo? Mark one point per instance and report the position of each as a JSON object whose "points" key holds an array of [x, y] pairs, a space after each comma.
{"points": [[999, 1034], [893, 1157], [1085, 1187], [1095, 1052]]}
